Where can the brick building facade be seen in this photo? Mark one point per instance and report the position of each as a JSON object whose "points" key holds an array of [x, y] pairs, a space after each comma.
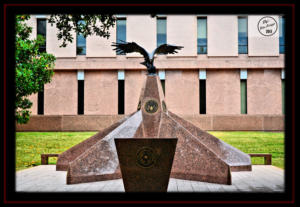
{"points": [[228, 76]]}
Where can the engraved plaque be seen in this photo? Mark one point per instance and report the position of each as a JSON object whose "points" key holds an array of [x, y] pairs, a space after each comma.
{"points": [[151, 106], [146, 157], [145, 163]]}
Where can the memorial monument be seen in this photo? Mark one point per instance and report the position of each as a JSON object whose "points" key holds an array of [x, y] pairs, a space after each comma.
{"points": [[199, 155]]}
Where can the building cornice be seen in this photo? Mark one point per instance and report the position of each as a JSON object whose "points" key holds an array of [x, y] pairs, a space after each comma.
{"points": [[167, 62]]}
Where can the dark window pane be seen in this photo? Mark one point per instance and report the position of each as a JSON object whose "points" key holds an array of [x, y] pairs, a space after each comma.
{"points": [[202, 96], [41, 102], [163, 86], [202, 50], [81, 45], [281, 35], [41, 30], [283, 95], [121, 31], [281, 41], [243, 35], [202, 36], [243, 49], [81, 42], [161, 31], [80, 97], [202, 41], [243, 96], [121, 88], [161, 39], [41, 27], [282, 49], [243, 39]]}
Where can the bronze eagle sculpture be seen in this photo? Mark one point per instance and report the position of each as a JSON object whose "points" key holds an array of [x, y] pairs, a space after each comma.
{"points": [[128, 47]]}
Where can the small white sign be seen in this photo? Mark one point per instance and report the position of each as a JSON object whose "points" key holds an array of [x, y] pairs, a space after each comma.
{"points": [[243, 74], [162, 74], [267, 26], [80, 75], [121, 75], [282, 74], [202, 74]]}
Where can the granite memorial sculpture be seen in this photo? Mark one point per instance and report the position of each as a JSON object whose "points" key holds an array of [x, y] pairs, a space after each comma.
{"points": [[199, 155]]}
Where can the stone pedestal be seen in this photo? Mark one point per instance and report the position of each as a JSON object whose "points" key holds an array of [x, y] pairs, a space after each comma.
{"points": [[146, 163]]}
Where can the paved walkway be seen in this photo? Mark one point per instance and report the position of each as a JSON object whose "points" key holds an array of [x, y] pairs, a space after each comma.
{"points": [[44, 178]]}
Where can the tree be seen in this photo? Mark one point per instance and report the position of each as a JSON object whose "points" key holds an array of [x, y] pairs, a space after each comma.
{"points": [[93, 24], [33, 68]]}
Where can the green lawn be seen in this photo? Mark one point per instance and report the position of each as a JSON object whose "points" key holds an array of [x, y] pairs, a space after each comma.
{"points": [[256, 142], [30, 145]]}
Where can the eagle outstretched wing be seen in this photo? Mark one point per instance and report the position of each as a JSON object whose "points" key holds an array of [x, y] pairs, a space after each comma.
{"points": [[129, 47], [166, 49]]}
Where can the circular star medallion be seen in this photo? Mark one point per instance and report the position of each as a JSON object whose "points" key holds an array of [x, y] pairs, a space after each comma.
{"points": [[145, 157], [151, 106]]}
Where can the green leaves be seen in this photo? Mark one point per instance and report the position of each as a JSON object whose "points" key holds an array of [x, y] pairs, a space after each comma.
{"points": [[33, 68], [85, 24]]}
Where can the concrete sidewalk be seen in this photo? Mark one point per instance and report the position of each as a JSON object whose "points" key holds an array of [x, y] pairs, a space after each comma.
{"points": [[44, 178]]}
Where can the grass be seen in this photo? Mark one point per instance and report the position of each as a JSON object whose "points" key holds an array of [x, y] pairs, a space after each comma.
{"points": [[256, 142], [30, 145]]}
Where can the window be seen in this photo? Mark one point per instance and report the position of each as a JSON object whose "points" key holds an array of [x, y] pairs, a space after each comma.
{"points": [[281, 35], [202, 35], [243, 96], [162, 77], [41, 30], [121, 32], [243, 35], [283, 95], [163, 85], [161, 28], [41, 102], [283, 90], [202, 91], [80, 97], [243, 74], [80, 78], [121, 91], [81, 41], [202, 95]]}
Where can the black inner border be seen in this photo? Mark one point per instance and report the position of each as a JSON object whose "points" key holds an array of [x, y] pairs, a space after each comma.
{"points": [[212, 9]]}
